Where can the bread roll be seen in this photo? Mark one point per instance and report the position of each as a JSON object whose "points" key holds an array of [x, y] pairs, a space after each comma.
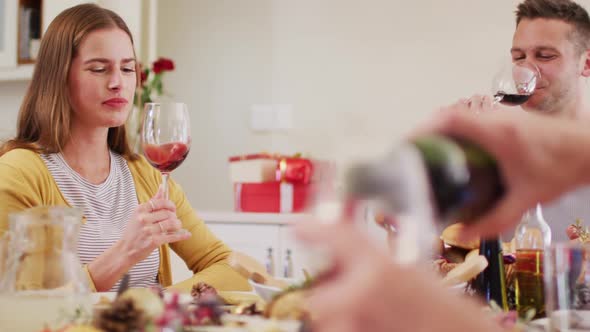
{"points": [[466, 271], [455, 254], [451, 237]]}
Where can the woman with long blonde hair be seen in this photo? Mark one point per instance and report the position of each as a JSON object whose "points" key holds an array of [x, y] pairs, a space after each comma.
{"points": [[71, 149]]}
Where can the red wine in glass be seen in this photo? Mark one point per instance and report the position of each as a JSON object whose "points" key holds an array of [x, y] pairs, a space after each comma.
{"points": [[166, 157], [515, 83], [509, 99]]}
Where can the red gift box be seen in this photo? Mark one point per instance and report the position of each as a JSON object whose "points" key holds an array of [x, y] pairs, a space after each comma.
{"points": [[294, 170], [272, 197], [264, 167]]}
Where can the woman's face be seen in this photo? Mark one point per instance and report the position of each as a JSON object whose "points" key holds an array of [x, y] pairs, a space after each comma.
{"points": [[102, 79]]}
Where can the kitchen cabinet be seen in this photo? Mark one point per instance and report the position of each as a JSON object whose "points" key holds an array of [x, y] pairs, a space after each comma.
{"points": [[297, 255], [251, 239], [253, 234]]}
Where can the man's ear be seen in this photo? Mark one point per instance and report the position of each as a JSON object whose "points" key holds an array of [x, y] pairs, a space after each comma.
{"points": [[586, 59]]}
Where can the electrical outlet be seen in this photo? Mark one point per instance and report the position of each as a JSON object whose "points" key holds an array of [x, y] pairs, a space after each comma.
{"points": [[283, 117], [271, 117], [262, 117]]}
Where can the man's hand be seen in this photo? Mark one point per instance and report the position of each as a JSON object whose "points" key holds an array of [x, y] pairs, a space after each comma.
{"points": [[476, 104], [540, 158]]}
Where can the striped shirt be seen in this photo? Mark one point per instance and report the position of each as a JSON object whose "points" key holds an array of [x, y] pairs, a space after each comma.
{"points": [[107, 207]]}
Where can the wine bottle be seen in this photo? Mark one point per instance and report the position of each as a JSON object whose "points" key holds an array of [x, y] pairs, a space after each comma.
{"points": [[428, 183], [533, 236], [491, 283], [455, 178]]}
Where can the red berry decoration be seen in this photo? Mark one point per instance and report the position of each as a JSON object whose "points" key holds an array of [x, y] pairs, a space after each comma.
{"points": [[578, 231], [572, 232]]}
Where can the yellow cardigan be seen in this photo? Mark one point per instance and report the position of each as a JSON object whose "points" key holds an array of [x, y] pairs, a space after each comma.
{"points": [[26, 182]]}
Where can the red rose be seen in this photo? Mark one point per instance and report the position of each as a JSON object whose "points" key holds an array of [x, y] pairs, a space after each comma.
{"points": [[163, 64], [143, 77]]}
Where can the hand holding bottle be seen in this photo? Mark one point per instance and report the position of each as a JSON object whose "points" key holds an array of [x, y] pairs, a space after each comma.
{"points": [[540, 158]]}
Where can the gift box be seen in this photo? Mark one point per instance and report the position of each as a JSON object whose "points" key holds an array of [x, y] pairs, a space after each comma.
{"points": [[276, 183], [264, 167], [277, 197], [251, 168]]}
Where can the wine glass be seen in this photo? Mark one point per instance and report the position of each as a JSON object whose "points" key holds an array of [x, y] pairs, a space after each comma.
{"points": [[165, 137], [515, 83]]}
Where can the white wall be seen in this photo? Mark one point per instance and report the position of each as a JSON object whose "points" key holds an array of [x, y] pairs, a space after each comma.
{"points": [[358, 73], [133, 18], [11, 94]]}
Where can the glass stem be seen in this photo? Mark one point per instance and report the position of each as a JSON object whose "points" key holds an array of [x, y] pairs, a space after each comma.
{"points": [[165, 177]]}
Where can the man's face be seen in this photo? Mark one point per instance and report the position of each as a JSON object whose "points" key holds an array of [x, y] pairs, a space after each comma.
{"points": [[548, 44]]}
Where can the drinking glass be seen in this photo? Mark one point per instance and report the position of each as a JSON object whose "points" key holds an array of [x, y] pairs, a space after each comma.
{"points": [[42, 284], [567, 287]]}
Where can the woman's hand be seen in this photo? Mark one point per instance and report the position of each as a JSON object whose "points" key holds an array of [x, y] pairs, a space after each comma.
{"points": [[152, 224]]}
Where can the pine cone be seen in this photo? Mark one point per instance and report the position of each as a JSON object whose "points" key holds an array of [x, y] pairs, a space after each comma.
{"points": [[122, 316], [202, 290]]}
